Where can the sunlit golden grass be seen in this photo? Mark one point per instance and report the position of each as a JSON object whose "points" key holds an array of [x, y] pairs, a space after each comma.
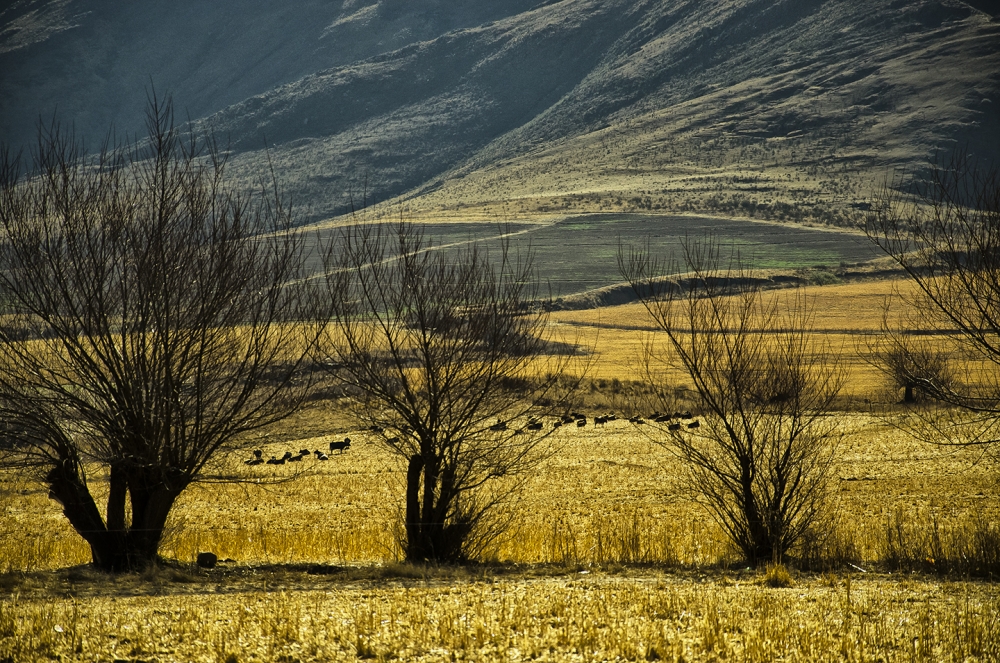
{"points": [[578, 616], [843, 318], [605, 495], [607, 556]]}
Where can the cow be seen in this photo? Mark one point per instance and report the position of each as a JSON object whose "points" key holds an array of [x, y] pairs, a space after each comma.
{"points": [[341, 446]]}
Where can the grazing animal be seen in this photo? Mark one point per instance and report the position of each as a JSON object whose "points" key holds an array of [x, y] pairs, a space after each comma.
{"points": [[296, 459], [253, 461], [276, 461], [694, 424], [341, 446], [637, 420], [499, 426], [686, 415], [580, 423], [304, 452], [600, 421], [567, 419], [534, 425], [258, 453], [674, 427], [557, 424], [288, 454], [322, 457], [663, 418]]}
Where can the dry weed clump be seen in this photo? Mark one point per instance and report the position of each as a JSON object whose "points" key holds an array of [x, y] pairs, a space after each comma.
{"points": [[575, 617]]}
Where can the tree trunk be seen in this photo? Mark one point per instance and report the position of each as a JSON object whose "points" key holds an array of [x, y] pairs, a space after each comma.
{"points": [[759, 548], [114, 546], [414, 471]]}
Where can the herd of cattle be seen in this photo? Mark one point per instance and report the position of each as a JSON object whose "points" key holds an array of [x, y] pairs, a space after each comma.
{"points": [[674, 422], [289, 457]]}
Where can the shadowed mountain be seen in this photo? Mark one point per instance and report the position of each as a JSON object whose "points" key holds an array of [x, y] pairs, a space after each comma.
{"points": [[776, 108]]}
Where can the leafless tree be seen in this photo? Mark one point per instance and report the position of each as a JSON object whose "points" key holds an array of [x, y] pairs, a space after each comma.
{"points": [[762, 451], [440, 346], [943, 230], [145, 324]]}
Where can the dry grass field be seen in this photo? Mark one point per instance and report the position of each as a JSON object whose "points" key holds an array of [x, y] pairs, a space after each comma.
{"points": [[608, 557]]}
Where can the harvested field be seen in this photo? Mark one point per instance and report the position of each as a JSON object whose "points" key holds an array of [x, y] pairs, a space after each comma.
{"points": [[608, 556]]}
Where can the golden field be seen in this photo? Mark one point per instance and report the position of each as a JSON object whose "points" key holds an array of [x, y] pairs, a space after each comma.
{"points": [[608, 556]]}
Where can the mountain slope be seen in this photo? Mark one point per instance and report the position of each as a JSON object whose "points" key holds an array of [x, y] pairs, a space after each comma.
{"points": [[777, 108]]}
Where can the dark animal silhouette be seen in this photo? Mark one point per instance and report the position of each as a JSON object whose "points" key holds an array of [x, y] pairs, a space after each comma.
{"points": [[258, 453], [534, 425], [499, 426], [674, 427], [580, 423], [207, 560], [694, 424], [662, 419], [341, 446]]}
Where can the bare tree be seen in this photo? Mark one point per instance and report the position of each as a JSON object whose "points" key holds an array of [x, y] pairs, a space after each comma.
{"points": [[943, 230], [761, 453], [144, 327], [441, 347]]}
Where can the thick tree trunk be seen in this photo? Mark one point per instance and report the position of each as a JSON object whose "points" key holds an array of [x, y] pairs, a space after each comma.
{"points": [[114, 545]]}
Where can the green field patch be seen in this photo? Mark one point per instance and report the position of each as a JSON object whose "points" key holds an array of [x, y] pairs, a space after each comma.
{"points": [[580, 253]]}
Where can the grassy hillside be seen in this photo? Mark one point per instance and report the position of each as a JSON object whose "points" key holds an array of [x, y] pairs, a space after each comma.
{"points": [[766, 108]]}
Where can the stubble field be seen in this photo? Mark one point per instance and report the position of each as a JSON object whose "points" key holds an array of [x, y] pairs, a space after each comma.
{"points": [[608, 556]]}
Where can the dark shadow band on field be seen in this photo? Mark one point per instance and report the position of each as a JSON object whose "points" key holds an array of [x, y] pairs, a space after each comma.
{"points": [[173, 578], [621, 294]]}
